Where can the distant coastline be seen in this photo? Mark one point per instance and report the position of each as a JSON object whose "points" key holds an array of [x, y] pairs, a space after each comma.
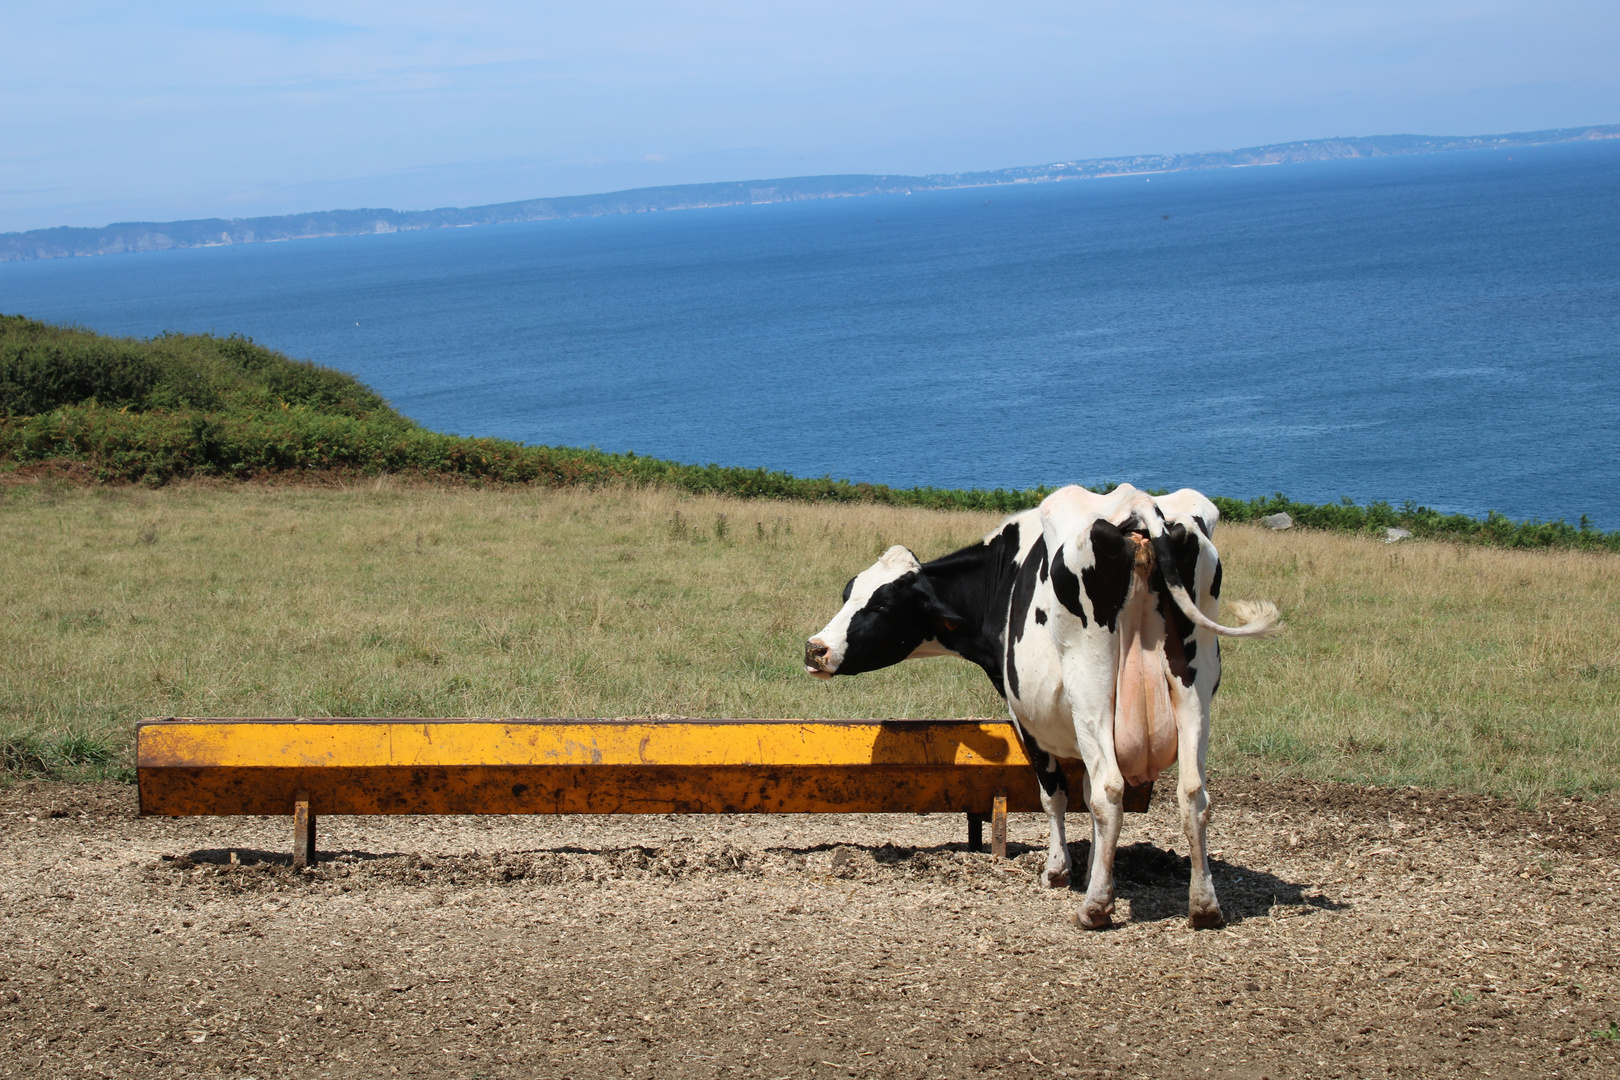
{"points": [[69, 242]]}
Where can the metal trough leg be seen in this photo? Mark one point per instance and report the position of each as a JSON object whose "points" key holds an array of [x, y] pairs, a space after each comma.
{"points": [[998, 826], [303, 831]]}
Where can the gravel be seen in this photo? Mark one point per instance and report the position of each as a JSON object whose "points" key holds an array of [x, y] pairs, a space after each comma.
{"points": [[1372, 932]]}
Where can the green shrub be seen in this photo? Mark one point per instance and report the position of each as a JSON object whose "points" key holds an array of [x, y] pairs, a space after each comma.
{"points": [[44, 367]]}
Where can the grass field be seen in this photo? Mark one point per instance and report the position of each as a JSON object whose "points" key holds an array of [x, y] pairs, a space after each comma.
{"points": [[1421, 663]]}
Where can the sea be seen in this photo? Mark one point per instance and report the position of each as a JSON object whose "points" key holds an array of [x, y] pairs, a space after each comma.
{"points": [[1439, 328]]}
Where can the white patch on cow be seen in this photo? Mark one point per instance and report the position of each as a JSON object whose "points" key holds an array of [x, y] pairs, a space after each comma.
{"points": [[895, 563], [931, 647]]}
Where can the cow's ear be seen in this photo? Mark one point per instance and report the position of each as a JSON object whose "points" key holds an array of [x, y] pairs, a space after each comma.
{"points": [[946, 619]]}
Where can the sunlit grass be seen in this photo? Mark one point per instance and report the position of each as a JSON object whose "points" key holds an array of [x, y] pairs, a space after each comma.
{"points": [[1421, 663], [1428, 664]]}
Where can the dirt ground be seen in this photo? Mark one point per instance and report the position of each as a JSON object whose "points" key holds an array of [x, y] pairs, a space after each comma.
{"points": [[1372, 933]]}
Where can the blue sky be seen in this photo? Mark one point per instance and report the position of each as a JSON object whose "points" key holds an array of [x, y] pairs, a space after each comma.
{"points": [[118, 111]]}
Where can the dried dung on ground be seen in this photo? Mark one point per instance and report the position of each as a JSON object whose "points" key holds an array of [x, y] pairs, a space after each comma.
{"points": [[1373, 933]]}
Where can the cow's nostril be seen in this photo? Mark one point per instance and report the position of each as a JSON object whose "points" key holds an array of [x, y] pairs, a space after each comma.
{"points": [[814, 651]]}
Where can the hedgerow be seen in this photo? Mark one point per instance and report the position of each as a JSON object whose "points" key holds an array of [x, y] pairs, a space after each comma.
{"points": [[1495, 529]]}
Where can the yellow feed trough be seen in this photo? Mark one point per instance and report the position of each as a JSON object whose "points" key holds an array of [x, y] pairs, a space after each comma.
{"points": [[354, 766]]}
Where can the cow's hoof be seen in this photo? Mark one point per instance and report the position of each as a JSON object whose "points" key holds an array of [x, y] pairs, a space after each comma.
{"points": [[1206, 918], [1093, 917], [1055, 879]]}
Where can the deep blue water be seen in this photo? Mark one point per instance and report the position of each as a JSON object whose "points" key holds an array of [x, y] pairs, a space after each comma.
{"points": [[1443, 328]]}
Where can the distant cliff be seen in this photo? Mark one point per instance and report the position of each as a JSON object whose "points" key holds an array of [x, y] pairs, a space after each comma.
{"points": [[1282, 154], [209, 232]]}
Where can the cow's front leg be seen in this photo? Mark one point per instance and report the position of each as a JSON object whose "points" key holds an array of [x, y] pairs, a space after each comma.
{"points": [[1106, 799], [1203, 909], [1055, 801]]}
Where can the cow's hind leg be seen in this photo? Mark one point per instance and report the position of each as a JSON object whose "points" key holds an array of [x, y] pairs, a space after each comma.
{"points": [[1055, 801], [1203, 908], [1106, 798]]}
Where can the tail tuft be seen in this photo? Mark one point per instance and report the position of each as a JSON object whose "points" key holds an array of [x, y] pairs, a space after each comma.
{"points": [[1255, 618]]}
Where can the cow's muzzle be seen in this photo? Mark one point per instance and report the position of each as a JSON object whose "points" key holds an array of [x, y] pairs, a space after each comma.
{"points": [[816, 653]]}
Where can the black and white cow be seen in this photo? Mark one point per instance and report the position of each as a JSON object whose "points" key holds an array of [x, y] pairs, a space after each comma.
{"points": [[1094, 616]]}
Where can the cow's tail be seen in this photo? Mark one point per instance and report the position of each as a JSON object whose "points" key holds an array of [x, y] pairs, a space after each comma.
{"points": [[1258, 618]]}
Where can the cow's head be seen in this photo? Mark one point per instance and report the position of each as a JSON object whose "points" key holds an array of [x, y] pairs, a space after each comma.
{"points": [[889, 611]]}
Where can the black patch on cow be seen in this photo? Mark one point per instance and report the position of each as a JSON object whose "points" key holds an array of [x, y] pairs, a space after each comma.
{"points": [[1184, 549], [1023, 594], [1108, 581], [978, 582], [1040, 617], [1066, 587], [1047, 770], [849, 587], [1203, 527], [1178, 651], [1215, 586]]}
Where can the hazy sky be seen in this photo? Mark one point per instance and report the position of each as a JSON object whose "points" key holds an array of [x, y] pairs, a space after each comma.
{"points": [[117, 111]]}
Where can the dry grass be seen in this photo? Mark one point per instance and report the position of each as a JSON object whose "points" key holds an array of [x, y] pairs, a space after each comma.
{"points": [[1427, 664], [1424, 663]]}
